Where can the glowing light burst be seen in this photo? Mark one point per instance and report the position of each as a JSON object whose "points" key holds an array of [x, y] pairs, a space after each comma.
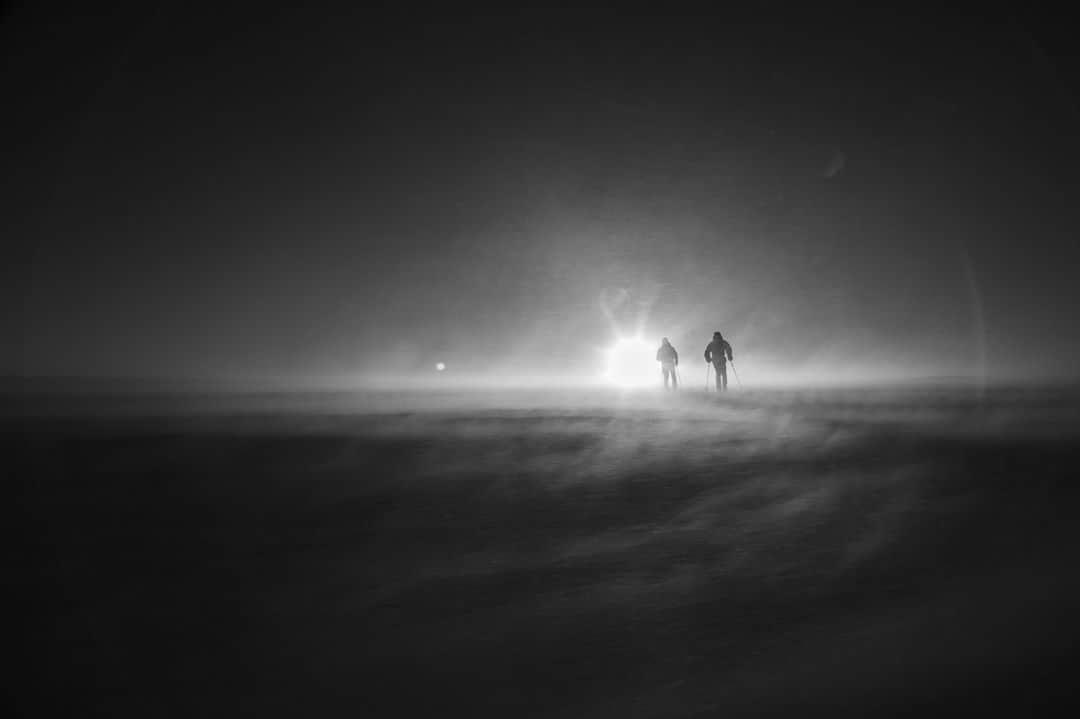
{"points": [[631, 362]]}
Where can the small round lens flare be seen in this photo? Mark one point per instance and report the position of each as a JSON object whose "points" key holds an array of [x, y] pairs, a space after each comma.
{"points": [[631, 362]]}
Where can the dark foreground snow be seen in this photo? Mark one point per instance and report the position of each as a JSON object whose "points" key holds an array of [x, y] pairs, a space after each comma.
{"points": [[547, 555]]}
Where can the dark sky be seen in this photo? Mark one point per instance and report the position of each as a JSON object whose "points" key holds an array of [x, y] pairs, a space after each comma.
{"points": [[247, 194]]}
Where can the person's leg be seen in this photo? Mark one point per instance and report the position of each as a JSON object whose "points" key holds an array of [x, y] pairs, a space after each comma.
{"points": [[716, 372], [674, 379], [723, 374], [667, 372]]}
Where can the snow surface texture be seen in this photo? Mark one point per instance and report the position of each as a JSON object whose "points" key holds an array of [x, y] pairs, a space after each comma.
{"points": [[541, 554]]}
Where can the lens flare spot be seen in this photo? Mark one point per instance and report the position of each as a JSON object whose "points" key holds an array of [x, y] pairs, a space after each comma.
{"points": [[631, 362], [440, 366]]}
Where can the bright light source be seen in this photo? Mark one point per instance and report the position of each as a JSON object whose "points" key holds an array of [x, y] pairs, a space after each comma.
{"points": [[631, 362], [440, 366]]}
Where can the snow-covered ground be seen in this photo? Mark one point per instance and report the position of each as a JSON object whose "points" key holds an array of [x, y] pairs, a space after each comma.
{"points": [[551, 554]]}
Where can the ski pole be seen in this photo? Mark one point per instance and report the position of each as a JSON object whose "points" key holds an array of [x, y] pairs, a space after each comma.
{"points": [[736, 373]]}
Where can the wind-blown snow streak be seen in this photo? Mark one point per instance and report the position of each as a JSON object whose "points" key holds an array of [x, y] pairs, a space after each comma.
{"points": [[584, 554]]}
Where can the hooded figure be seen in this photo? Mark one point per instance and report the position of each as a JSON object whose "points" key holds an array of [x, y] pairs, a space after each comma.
{"points": [[719, 352], [669, 360]]}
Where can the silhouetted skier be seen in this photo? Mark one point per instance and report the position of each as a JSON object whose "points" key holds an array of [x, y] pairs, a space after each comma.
{"points": [[669, 360], [719, 352]]}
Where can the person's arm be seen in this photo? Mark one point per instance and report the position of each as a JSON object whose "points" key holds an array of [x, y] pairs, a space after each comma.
{"points": [[708, 354], [676, 353], [729, 354], [658, 359]]}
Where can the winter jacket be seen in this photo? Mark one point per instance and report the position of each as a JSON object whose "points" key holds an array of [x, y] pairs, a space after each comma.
{"points": [[667, 355], [718, 352]]}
